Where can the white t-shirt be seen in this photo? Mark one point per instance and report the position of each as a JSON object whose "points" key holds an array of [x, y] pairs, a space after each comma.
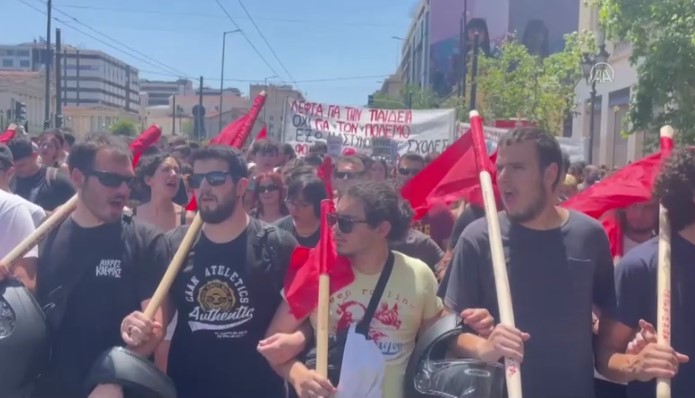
{"points": [[15, 224], [38, 214]]}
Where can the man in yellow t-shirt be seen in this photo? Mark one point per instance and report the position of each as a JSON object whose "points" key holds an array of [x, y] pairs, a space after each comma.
{"points": [[367, 217]]}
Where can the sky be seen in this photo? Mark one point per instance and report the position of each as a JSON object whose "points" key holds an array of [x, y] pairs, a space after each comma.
{"points": [[336, 51]]}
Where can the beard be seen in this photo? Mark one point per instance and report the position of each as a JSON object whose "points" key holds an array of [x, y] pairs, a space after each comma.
{"points": [[221, 212], [100, 208], [533, 210]]}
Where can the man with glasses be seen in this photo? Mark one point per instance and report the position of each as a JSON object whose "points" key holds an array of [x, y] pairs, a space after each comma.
{"points": [[439, 221], [38, 214], [304, 196], [367, 217], [37, 183], [224, 295], [96, 267], [348, 171]]}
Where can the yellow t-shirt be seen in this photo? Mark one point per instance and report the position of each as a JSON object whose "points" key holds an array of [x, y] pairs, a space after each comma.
{"points": [[410, 297]]}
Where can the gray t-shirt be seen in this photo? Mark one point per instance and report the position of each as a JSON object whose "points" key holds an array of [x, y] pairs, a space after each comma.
{"points": [[419, 245], [554, 276]]}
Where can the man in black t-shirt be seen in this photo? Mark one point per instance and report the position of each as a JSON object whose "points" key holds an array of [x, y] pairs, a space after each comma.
{"points": [[39, 184], [225, 296], [636, 282], [96, 268], [558, 265]]}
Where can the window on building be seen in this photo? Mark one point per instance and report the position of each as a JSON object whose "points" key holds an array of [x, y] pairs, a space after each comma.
{"points": [[7, 63], [271, 118], [24, 63]]}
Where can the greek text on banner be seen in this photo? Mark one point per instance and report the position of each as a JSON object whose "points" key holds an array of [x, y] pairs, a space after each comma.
{"points": [[421, 131]]}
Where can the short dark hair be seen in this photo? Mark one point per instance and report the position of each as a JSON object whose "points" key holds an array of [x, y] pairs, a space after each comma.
{"points": [[675, 187], [21, 147], [266, 147], [83, 154], [69, 138], [547, 147], [292, 174], [381, 203], [6, 160], [319, 147], [286, 149], [313, 159], [311, 188], [152, 150], [413, 157], [366, 160], [236, 165]]}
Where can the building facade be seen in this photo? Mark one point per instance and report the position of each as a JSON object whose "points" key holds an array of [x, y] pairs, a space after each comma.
{"points": [[609, 146], [26, 87], [91, 78], [16, 57], [273, 113], [159, 91], [431, 51]]}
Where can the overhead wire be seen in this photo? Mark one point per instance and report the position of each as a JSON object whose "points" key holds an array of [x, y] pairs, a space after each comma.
{"points": [[243, 34], [272, 51]]}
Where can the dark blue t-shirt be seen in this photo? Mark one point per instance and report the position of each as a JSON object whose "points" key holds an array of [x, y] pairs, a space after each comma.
{"points": [[635, 280], [554, 276]]}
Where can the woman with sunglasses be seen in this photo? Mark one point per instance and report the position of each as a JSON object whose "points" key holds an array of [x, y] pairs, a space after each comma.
{"points": [[268, 195], [304, 196], [158, 177]]}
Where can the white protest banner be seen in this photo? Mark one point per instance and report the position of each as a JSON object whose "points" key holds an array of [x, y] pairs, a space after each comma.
{"points": [[420, 131], [573, 147]]}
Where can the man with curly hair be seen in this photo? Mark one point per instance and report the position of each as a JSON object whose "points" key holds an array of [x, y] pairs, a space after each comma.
{"points": [[635, 278]]}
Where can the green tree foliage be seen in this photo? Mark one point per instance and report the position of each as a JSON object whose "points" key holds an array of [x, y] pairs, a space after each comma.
{"points": [[516, 84], [187, 127], [662, 35], [124, 127]]}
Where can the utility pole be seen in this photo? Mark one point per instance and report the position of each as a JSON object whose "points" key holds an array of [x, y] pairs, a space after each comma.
{"points": [[59, 82], [201, 112], [173, 117], [47, 62], [474, 71]]}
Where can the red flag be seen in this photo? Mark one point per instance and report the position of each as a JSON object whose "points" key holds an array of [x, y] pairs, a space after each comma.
{"points": [[629, 185], [325, 171], [7, 136], [263, 134], [451, 176], [302, 279], [251, 117], [229, 132], [145, 140]]}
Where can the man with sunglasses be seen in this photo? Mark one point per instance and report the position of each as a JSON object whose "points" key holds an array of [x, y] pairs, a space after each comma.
{"points": [[367, 217], [347, 171], [439, 221], [225, 297], [96, 267], [35, 182]]}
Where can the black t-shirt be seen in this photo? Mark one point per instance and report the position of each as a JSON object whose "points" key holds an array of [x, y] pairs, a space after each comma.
{"points": [[310, 241], [112, 283], [554, 276], [225, 307], [467, 216], [635, 279], [38, 190]]}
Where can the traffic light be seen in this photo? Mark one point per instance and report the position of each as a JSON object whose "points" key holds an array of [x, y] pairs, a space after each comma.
{"points": [[370, 101], [20, 111]]}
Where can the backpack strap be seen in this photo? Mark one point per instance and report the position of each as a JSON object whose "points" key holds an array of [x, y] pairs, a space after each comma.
{"points": [[263, 252]]}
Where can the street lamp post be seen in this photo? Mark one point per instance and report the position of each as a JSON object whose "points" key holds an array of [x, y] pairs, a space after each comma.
{"points": [[265, 87], [591, 64], [224, 46]]}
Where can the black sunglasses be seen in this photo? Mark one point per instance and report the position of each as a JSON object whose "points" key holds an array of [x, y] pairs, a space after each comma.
{"points": [[407, 172], [343, 175], [267, 188], [345, 224], [111, 180], [214, 178]]}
